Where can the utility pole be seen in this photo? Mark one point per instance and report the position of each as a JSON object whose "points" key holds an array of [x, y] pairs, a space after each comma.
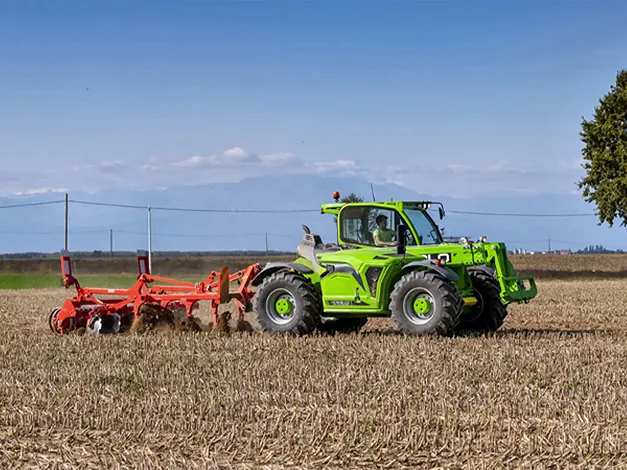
{"points": [[67, 217], [110, 243], [149, 240], [266, 244], [549, 246]]}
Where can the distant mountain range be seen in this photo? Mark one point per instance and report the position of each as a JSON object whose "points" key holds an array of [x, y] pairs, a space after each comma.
{"points": [[40, 228]]}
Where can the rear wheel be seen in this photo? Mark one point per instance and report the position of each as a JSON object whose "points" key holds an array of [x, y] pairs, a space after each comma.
{"points": [[425, 303], [489, 313], [287, 302]]}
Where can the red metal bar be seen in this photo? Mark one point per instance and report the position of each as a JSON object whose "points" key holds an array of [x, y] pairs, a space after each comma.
{"points": [[143, 266]]}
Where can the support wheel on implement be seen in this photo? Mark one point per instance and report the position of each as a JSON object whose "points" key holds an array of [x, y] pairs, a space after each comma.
{"points": [[287, 302], [425, 303], [489, 313], [52, 320]]}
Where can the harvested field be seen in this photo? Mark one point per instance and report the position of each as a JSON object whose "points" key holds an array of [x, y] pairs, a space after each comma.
{"points": [[548, 390], [571, 266]]}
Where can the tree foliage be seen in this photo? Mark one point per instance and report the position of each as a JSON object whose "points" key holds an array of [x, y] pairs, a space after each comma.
{"points": [[597, 250], [605, 154], [352, 197]]}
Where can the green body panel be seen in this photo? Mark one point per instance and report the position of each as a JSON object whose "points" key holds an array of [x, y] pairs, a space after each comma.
{"points": [[342, 274]]}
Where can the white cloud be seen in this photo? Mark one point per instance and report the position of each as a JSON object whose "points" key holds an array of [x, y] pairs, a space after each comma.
{"points": [[231, 165], [149, 167], [36, 191], [338, 168], [500, 166], [237, 153], [501, 177], [114, 166], [282, 159], [241, 163], [235, 156], [463, 178], [573, 164], [190, 162]]}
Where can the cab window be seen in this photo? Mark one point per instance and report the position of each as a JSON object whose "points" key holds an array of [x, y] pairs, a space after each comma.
{"points": [[358, 224]]}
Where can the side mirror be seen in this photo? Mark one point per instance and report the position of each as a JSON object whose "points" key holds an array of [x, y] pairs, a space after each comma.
{"points": [[401, 239], [441, 211]]}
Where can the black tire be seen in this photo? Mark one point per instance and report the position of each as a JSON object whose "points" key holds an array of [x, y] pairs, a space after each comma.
{"points": [[299, 292], [443, 302], [489, 313], [341, 325]]}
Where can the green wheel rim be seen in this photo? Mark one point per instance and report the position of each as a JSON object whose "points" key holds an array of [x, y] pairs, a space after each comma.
{"points": [[283, 306], [280, 306], [419, 306]]}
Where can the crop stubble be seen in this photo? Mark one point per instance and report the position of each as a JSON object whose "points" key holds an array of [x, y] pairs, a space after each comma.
{"points": [[551, 387]]}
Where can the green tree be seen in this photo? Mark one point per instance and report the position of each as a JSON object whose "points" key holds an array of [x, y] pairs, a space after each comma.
{"points": [[605, 154], [352, 197]]}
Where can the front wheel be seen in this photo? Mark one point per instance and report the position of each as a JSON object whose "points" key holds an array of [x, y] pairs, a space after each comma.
{"points": [[287, 302], [489, 313], [425, 303]]}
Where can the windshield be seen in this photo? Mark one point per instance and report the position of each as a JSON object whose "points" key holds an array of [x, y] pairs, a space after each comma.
{"points": [[426, 230]]}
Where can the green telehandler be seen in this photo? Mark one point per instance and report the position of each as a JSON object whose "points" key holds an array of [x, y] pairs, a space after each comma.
{"points": [[390, 260]]}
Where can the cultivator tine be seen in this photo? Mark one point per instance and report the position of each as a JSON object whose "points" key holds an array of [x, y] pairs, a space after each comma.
{"points": [[223, 289]]}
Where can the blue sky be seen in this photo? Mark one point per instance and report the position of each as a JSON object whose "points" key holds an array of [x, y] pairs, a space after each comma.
{"points": [[457, 98]]}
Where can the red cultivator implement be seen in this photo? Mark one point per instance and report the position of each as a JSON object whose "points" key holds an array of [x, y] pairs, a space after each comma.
{"points": [[103, 311]]}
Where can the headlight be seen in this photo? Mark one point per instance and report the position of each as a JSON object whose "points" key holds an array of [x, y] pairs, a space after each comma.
{"points": [[484, 239], [464, 240]]}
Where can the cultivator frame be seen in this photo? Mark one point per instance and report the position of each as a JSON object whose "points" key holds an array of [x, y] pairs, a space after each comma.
{"points": [[100, 315]]}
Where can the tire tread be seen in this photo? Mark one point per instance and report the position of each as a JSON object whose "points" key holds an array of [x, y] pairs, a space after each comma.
{"points": [[311, 302], [451, 302]]}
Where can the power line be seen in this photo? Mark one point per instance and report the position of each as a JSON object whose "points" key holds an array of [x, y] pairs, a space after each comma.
{"points": [[5, 232], [284, 235], [130, 232], [267, 211], [517, 215], [32, 204], [244, 211], [105, 204], [180, 209], [192, 235], [59, 231]]}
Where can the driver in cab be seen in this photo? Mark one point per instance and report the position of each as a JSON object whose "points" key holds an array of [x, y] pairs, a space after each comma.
{"points": [[383, 235]]}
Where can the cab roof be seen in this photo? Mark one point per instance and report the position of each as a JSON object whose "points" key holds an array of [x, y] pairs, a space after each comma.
{"points": [[334, 208]]}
